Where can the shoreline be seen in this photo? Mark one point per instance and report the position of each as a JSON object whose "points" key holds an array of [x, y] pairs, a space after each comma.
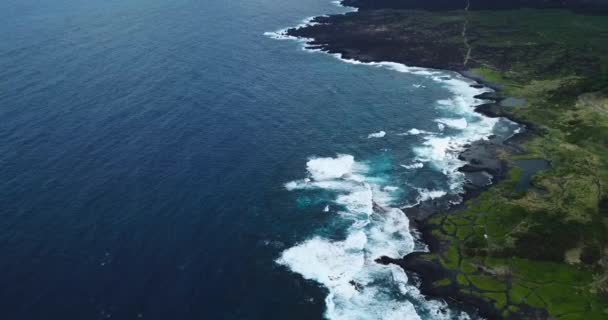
{"points": [[542, 216], [430, 271], [485, 148]]}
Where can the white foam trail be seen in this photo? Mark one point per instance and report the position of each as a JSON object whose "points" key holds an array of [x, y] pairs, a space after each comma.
{"points": [[282, 33], [515, 132], [350, 9], [379, 134], [426, 195], [392, 66]]}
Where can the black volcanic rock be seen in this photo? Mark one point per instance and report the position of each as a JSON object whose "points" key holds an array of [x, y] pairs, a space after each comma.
{"points": [[483, 156]]}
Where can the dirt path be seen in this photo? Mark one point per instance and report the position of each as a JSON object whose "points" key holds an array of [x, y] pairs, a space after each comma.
{"points": [[465, 39]]}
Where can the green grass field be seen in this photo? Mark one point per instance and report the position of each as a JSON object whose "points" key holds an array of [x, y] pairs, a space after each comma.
{"points": [[545, 247]]}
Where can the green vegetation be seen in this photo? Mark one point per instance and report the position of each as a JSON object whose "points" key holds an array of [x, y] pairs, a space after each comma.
{"points": [[545, 247]]}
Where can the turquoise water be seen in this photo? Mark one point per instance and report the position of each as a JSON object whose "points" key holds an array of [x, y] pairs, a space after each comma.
{"points": [[169, 160]]}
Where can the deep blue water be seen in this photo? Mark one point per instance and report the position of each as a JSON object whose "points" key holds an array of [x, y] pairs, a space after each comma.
{"points": [[145, 146]]}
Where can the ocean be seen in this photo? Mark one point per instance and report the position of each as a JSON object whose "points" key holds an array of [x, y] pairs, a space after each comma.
{"points": [[182, 159]]}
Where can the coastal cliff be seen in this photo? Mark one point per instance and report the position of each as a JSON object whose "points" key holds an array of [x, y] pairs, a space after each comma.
{"points": [[534, 245]]}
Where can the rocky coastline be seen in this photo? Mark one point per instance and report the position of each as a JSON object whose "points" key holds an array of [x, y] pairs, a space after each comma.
{"points": [[504, 247], [483, 159], [589, 6], [484, 166]]}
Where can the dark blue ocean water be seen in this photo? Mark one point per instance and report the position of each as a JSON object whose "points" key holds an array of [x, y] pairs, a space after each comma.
{"points": [[145, 146]]}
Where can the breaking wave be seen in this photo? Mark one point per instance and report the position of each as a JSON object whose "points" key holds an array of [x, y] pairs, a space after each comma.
{"points": [[359, 287]]}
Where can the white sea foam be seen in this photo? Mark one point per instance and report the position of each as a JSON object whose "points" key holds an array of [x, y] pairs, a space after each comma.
{"points": [[442, 152], [391, 66], [359, 287], [435, 149], [426, 194], [379, 134], [415, 165], [515, 132], [415, 132], [357, 284], [282, 33], [331, 168], [460, 123], [358, 201], [279, 35], [339, 4]]}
